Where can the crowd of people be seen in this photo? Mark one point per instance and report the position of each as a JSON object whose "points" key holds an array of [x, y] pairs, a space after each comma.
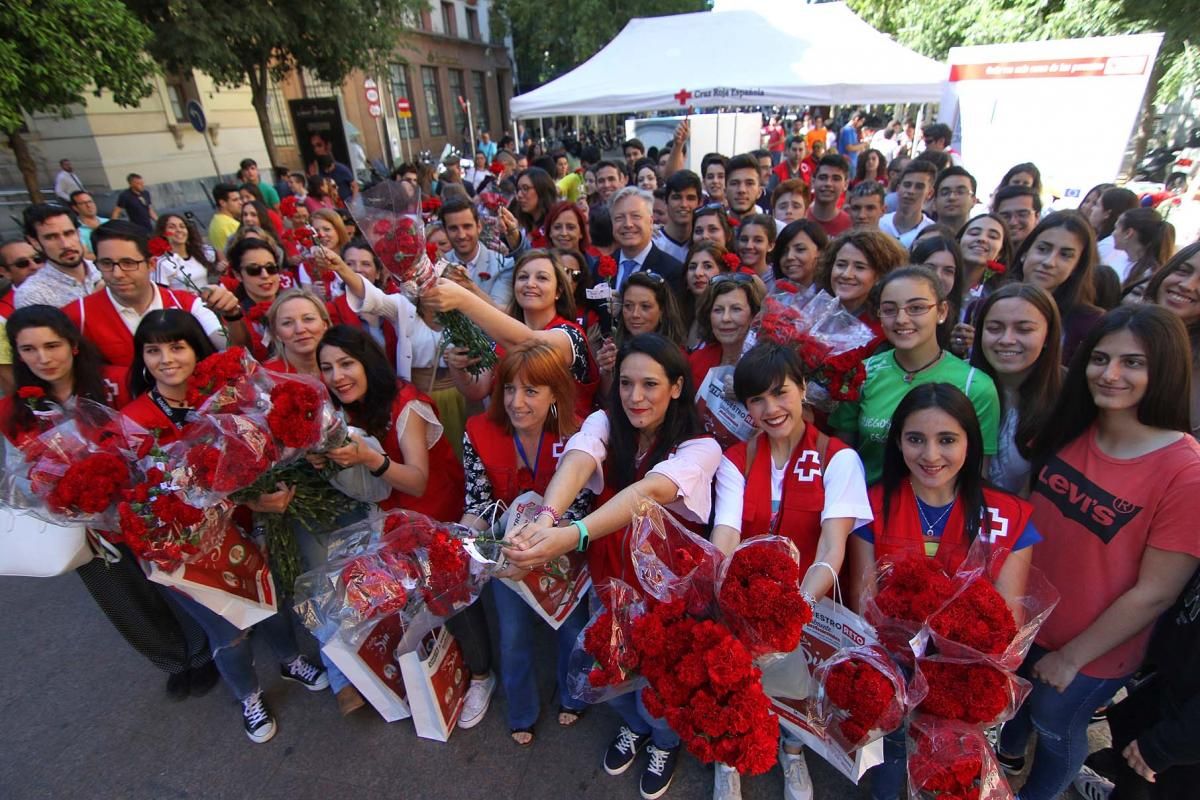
{"points": [[1030, 383]]}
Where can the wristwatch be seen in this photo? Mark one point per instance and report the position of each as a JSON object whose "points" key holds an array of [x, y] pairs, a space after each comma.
{"points": [[383, 467]]}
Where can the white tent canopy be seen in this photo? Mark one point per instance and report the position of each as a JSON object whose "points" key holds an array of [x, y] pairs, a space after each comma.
{"points": [[798, 54]]}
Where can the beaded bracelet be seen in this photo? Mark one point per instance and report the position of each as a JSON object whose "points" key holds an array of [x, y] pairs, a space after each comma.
{"points": [[554, 515]]}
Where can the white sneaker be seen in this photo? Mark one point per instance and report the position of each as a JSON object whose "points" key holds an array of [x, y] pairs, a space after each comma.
{"points": [[1091, 785], [727, 783], [797, 783], [475, 705]]}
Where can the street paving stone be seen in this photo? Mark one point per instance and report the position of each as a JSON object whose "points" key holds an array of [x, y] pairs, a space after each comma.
{"points": [[84, 716]]}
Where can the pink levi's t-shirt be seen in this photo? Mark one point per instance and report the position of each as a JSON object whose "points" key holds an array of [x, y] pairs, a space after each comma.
{"points": [[1098, 515]]}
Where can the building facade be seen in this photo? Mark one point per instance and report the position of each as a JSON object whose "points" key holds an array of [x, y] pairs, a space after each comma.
{"points": [[454, 71]]}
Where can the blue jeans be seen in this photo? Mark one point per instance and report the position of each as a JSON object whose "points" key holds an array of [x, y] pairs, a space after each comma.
{"points": [[888, 778], [1061, 721], [231, 648], [635, 716], [517, 621]]}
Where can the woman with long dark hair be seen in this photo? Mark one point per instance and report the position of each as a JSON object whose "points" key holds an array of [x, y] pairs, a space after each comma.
{"points": [[651, 446], [512, 448], [1103, 219], [50, 354], [872, 166], [797, 252], [542, 309], [941, 254], [168, 344], [192, 257], [1148, 242], [256, 265], [1176, 287], [536, 195], [1059, 255], [705, 261], [932, 502], [1115, 477], [1018, 348], [912, 304]]}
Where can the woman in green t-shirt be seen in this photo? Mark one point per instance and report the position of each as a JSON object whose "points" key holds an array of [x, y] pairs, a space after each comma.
{"points": [[912, 303]]}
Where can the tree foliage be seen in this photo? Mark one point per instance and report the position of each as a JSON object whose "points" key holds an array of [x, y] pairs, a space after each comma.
{"points": [[54, 51], [257, 41], [549, 44], [932, 27]]}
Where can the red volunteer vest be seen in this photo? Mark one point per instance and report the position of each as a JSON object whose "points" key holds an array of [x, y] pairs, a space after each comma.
{"points": [[508, 476], [803, 497], [445, 491], [1005, 517], [98, 321], [340, 313], [702, 359], [145, 412]]}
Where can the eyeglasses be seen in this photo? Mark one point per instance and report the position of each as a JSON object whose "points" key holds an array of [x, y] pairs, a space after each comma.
{"points": [[254, 270], [731, 277], [654, 277], [126, 264], [890, 310], [708, 208], [524, 189], [27, 262]]}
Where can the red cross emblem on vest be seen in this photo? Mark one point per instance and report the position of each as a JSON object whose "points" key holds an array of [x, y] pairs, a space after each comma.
{"points": [[997, 526], [559, 448], [808, 466], [683, 95]]}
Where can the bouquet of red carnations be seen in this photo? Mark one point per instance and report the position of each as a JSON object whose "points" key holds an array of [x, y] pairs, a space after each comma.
{"points": [[703, 681], [401, 563], [228, 382], [671, 562], [831, 342], [76, 470], [758, 593], [603, 663], [952, 761], [224, 453], [905, 592], [970, 690], [863, 695], [159, 524]]}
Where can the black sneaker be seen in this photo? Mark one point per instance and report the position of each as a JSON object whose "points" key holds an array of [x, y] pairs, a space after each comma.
{"points": [[303, 671], [178, 685], [256, 719], [204, 679], [623, 750], [1010, 764], [660, 769]]}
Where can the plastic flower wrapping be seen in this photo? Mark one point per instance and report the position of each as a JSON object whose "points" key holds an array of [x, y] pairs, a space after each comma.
{"points": [[758, 593], [863, 695], [952, 761], [832, 343], [396, 564]]}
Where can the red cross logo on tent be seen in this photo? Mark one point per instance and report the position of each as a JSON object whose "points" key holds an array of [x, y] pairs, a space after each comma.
{"points": [[683, 95]]}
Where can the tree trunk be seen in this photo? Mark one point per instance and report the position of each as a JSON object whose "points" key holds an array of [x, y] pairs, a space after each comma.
{"points": [[25, 164], [1146, 128], [258, 97]]}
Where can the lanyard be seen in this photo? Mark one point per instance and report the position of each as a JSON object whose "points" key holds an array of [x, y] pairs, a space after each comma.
{"points": [[525, 458]]}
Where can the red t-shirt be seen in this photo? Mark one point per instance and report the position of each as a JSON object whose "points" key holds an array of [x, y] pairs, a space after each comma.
{"points": [[836, 226], [1098, 515]]}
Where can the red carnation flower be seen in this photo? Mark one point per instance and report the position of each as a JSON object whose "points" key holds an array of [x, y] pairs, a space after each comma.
{"points": [[484, 276], [607, 268], [496, 168], [760, 598], [978, 618], [787, 286], [287, 206], [31, 393], [159, 246], [295, 415], [732, 261]]}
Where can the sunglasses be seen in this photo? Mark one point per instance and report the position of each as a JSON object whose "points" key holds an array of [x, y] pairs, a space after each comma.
{"points": [[255, 270], [731, 277], [27, 262]]}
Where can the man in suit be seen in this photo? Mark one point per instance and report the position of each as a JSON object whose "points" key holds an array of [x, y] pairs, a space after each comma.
{"points": [[633, 229]]}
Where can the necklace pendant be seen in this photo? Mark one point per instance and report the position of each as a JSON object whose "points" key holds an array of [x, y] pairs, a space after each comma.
{"points": [[929, 532], [908, 377]]}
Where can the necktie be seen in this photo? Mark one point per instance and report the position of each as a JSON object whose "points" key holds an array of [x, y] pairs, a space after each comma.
{"points": [[628, 267]]}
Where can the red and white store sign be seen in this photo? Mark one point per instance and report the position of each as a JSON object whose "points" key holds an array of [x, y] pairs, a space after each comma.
{"points": [[1099, 67]]}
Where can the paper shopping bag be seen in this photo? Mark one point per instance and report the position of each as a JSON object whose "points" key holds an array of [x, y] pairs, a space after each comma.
{"points": [[556, 589], [373, 668], [33, 548], [723, 416], [232, 580], [788, 683], [436, 679]]}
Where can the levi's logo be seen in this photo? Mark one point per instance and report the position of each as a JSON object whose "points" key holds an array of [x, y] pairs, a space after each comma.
{"points": [[1096, 509]]}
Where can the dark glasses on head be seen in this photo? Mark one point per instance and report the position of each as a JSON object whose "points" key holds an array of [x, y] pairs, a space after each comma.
{"points": [[731, 277]]}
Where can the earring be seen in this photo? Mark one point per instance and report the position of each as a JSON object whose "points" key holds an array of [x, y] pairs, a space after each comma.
{"points": [[554, 410], [147, 377]]}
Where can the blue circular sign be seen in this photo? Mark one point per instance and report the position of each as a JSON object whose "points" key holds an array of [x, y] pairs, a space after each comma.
{"points": [[195, 116]]}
